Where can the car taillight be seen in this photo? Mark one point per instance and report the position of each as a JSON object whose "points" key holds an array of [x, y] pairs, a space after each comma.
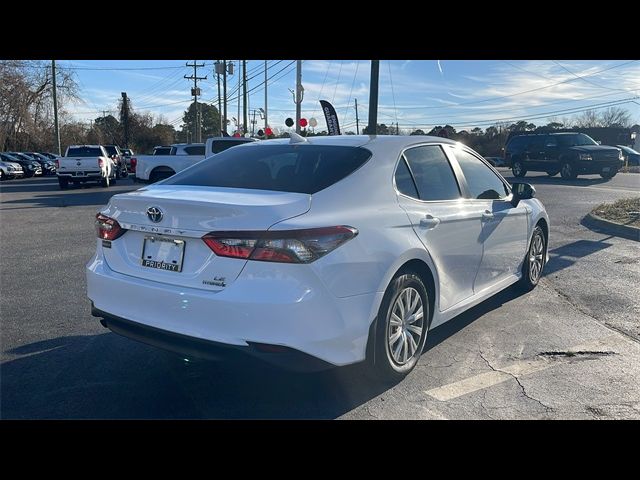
{"points": [[134, 162], [286, 246], [100, 162], [108, 228]]}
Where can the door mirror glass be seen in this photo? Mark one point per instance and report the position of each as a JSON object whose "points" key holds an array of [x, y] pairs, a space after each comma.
{"points": [[522, 191]]}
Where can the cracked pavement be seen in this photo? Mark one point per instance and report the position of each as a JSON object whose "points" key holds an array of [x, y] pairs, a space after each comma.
{"points": [[570, 349]]}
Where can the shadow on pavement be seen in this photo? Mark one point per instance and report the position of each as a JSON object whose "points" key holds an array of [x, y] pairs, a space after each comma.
{"points": [[566, 255], [84, 195], [107, 376]]}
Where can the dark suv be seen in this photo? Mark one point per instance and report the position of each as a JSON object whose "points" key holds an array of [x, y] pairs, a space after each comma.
{"points": [[570, 154]]}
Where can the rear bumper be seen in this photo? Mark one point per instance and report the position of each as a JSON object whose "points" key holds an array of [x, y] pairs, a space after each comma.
{"points": [[85, 176], [290, 307], [192, 347]]}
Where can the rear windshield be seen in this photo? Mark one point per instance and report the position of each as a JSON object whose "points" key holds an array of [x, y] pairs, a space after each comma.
{"points": [[283, 168], [111, 150], [162, 151], [84, 152]]}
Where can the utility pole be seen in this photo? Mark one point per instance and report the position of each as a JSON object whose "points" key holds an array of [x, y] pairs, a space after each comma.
{"points": [[357, 120], [265, 98], [55, 106], [217, 71], [373, 97], [195, 91], [253, 123], [244, 94], [298, 94], [238, 96], [125, 118], [224, 90]]}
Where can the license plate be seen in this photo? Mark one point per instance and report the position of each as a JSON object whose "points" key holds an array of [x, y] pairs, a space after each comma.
{"points": [[606, 169], [163, 253]]}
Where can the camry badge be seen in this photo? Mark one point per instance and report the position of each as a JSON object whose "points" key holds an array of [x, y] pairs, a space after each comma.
{"points": [[154, 214]]}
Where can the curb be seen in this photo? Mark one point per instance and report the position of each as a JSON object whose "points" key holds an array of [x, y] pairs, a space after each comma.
{"points": [[594, 221]]}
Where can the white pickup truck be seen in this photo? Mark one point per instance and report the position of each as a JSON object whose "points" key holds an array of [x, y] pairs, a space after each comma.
{"points": [[153, 168], [85, 163]]}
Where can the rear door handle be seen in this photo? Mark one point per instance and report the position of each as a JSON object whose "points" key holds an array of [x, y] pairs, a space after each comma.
{"points": [[429, 222], [487, 216]]}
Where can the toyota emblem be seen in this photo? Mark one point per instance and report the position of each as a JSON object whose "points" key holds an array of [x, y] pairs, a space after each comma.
{"points": [[154, 214]]}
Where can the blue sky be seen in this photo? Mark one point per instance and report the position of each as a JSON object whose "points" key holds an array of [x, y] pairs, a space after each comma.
{"points": [[414, 93]]}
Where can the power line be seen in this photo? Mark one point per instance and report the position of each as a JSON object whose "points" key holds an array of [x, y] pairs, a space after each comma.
{"points": [[582, 77], [523, 92]]}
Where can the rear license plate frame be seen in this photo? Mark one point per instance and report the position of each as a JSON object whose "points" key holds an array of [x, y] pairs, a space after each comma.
{"points": [[174, 265]]}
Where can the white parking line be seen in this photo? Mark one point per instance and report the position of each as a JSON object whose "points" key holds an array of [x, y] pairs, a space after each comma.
{"points": [[502, 374]]}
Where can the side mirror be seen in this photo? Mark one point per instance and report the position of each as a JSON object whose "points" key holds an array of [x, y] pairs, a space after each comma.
{"points": [[521, 191]]}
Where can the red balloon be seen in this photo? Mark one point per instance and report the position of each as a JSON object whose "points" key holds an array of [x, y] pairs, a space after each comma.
{"points": [[268, 131], [303, 122]]}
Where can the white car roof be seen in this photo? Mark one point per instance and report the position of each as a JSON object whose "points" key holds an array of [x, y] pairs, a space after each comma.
{"points": [[363, 140]]}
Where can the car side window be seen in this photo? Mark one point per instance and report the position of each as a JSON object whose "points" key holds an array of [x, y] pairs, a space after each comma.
{"points": [[482, 182], [194, 150], [404, 181], [432, 173]]}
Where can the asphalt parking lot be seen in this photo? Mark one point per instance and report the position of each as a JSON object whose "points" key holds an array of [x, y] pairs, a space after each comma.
{"points": [[569, 349]]}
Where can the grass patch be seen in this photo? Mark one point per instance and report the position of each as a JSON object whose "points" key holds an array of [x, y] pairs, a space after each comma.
{"points": [[625, 211]]}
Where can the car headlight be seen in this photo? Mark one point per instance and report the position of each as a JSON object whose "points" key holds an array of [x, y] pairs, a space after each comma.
{"points": [[585, 157]]}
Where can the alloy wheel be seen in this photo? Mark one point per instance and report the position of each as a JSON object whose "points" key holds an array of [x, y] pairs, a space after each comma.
{"points": [[406, 326], [536, 258]]}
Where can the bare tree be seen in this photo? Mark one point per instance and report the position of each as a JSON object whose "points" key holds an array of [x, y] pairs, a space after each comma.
{"points": [[615, 117]]}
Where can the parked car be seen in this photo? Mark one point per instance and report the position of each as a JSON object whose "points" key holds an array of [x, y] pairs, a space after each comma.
{"points": [[116, 155], [153, 168], [86, 163], [496, 161], [29, 165], [631, 157], [8, 168], [571, 154], [268, 249], [48, 166], [50, 156]]}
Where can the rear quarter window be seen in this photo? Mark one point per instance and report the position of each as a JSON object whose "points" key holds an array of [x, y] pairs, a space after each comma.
{"points": [[284, 168]]}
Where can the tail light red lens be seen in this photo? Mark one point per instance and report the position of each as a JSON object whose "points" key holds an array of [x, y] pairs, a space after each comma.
{"points": [[285, 246], [100, 162], [134, 162], [108, 228]]}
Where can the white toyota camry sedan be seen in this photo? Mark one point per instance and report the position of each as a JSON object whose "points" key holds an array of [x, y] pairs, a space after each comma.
{"points": [[312, 253]]}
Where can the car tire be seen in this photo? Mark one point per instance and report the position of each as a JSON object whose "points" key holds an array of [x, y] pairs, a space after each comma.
{"points": [[518, 169], [609, 174], [553, 173], [63, 183], [535, 260], [567, 171], [394, 358]]}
